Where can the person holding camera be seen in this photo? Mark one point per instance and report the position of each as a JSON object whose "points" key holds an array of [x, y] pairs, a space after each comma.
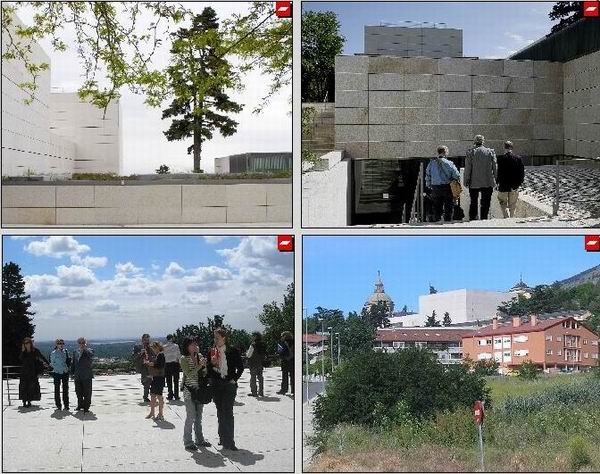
{"points": [[60, 361], [142, 352], [193, 366], [81, 369], [156, 369], [33, 364]]}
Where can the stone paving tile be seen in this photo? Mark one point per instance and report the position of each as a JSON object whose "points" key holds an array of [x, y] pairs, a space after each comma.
{"points": [[115, 436]]}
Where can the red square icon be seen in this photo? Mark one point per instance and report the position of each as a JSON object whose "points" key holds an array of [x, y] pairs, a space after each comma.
{"points": [[592, 243], [283, 9], [591, 9], [285, 243]]}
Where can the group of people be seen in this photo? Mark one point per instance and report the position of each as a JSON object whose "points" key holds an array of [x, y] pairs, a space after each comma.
{"points": [[210, 377], [62, 364], [483, 173]]}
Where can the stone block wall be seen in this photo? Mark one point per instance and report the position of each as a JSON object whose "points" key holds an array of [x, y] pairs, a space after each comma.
{"points": [[147, 204], [413, 41], [582, 106], [322, 137], [401, 108]]}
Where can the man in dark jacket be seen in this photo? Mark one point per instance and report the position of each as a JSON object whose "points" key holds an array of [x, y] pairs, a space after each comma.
{"points": [[225, 368], [285, 349], [81, 369], [142, 352], [511, 174], [256, 358]]}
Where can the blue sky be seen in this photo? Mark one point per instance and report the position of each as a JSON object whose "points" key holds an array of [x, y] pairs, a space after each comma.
{"points": [[122, 286], [490, 29], [339, 272]]}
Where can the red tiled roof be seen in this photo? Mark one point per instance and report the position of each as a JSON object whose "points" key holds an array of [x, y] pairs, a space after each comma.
{"points": [[422, 335], [508, 328], [312, 338]]}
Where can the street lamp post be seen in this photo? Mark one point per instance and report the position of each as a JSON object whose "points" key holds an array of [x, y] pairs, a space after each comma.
{"points": [[307, 362], [322, 355], [339, 347], [329, 329]]}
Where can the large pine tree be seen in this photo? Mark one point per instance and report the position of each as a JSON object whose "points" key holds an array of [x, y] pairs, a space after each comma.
{"points": [[16, 316], [199, 76]]}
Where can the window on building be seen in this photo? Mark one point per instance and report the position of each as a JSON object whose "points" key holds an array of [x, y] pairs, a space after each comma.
{"points": [[548, 338], [549, 352], [585, 341], [521, 339], [586, 355], [558, 338], [594, 355], [594, 343], [507, 355], [559, 352]]}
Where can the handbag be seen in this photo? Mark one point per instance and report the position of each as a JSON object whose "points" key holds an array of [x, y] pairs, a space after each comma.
{"points": [[455, 185], [205, 391]]}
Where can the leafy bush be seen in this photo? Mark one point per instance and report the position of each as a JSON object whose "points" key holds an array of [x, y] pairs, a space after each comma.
{"points": [[163, 169], [578, 454], [527, 370], [373, 383]]}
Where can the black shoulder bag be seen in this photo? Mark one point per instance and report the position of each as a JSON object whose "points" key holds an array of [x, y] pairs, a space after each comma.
{"points": [[205, 390]]}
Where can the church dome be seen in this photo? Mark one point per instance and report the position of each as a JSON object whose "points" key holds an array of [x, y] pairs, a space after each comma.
{"points": [[380, 295]]}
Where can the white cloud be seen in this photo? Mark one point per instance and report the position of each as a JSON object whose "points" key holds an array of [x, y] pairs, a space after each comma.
{"points": [[514, 36], [92, 262], [75, 275], [56, 247], [206, 278], [213, 239], [20, 237], [127, 267], [174, 269], [42, 287], [107, 305], [186, 298]]}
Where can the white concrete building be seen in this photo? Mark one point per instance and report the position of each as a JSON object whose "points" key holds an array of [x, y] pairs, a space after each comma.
{"points": [[464, 305], [56, 134]]}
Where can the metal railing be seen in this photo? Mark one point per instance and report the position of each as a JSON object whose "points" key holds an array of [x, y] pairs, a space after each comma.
{"points": [[417, 213]]}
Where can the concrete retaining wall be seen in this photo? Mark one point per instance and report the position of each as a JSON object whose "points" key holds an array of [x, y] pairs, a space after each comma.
{"points": [[399, 108], [582, 106], [147, 204], [326, 198]]}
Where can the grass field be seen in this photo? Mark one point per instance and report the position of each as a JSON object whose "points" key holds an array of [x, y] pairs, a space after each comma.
{"points": [[550, 424]]}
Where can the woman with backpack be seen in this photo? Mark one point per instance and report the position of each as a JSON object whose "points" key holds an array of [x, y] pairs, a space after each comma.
{"points": [[33, 364], [193, 366], [256, 357], [60, 361]]}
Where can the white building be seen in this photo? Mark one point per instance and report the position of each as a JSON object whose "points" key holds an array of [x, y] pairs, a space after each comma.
{"points": [[464, 306], [56, 134]]}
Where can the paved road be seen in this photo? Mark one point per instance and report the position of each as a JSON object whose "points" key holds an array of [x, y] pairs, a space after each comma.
{"points": [[114, 436], [314, 388]]}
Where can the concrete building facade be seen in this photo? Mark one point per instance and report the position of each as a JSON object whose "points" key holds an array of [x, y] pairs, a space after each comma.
{"points": [[53, 134], [464, 306], [394, 40], [551, 344]]}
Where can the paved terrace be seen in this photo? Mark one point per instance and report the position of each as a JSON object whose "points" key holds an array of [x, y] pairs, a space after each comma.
{"points": [[114, 436]]}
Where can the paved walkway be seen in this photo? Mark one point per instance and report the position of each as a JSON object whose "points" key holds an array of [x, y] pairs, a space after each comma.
{"points": [[114, 436]]}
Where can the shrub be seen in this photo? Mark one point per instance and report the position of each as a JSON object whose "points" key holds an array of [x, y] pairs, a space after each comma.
{"points": [[486, 367], [163, 169], [373, 383], [578, 454], [528, 370]]}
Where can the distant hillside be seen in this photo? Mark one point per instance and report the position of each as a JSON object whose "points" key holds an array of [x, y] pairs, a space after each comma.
{"points": [[591, 275]]}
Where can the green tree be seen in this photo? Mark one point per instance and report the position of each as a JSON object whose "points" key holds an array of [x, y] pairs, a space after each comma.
{"points": [[447, 319], [432, 321], [377, 315], [16, 315], [567, 13], [263, 41], [199, 76], [527, 370], [204, 333], [114, 43], [277, 318], [321, 42], [356, 336]]}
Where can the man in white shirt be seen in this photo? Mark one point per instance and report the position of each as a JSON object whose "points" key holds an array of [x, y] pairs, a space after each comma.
{"points": [[172, 368]]}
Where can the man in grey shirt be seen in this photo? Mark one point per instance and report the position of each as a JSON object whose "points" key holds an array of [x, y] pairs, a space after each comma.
{"points": [[480, 177]]}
